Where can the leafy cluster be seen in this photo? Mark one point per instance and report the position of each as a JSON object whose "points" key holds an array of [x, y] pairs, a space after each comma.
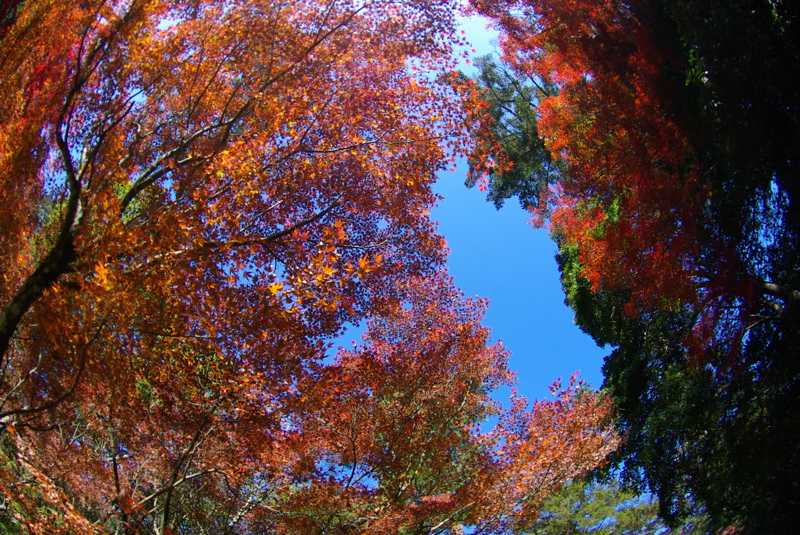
{"points": [[513, 143], [606, 509]]}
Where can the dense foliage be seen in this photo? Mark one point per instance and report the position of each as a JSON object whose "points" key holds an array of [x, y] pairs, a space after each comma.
{"points": [[196, 200], [675, 207], [606, 509]]}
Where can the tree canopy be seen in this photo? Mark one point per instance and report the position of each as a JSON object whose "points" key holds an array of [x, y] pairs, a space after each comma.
{"points": [[197, 199], [674, 126], [606, 508]]}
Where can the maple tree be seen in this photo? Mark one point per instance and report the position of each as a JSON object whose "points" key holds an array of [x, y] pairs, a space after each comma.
{"points": [[673, 202], [197, 199], [641, 195]]}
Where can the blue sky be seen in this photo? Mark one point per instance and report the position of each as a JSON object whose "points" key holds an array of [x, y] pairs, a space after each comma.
{"points": [[499, 256]]}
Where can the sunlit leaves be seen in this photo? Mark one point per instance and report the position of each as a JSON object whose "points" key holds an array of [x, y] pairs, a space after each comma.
{"points": [[198, 198]]}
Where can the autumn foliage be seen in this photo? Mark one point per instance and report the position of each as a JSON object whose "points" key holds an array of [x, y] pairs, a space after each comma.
{"points": [[197, 199], [646, 194], [631, 197], [673, 197]]}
